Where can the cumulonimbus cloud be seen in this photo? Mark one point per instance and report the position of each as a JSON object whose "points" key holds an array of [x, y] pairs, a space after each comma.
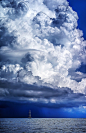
{"points": [[41, 45]]}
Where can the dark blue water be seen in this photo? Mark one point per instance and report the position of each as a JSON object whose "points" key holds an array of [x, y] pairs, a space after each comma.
{"points": [[42, 125]]}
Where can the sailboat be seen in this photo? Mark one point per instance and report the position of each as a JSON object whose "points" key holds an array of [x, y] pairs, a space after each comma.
{"points": [[29, 114]]}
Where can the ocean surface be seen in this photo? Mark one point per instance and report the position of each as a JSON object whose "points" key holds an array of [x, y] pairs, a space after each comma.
{"points": [[42, 125]]}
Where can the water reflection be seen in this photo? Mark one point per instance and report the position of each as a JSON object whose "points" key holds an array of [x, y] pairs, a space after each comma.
{"points": [[41, 125]]}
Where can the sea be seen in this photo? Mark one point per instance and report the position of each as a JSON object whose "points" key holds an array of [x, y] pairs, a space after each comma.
{"points": [[42, 125]]}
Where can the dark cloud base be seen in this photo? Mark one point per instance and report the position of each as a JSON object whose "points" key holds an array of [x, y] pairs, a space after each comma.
{"points": [[19, 92]]}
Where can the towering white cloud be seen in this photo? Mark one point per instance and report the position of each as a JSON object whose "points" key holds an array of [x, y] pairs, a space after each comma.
{"points": [[40, 44]]}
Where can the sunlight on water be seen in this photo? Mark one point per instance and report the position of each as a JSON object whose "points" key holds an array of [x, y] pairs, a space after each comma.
{"points": [[42, 125]]}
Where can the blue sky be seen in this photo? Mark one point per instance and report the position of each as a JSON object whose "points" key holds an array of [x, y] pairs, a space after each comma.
{"points": [[79, 7], [43, 59]]}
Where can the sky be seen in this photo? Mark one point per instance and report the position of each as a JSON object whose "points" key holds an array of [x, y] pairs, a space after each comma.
{"points": [[43, 58]]}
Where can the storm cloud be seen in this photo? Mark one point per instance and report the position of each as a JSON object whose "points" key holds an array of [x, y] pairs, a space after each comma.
{"points": [[40, 95], [41, 52]]}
